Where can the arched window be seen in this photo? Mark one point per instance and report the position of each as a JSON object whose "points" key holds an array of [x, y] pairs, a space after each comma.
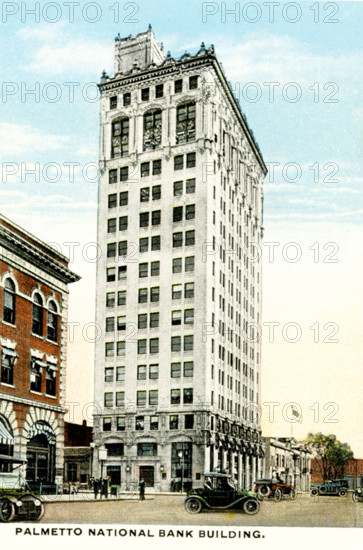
{"points": [[52, 322], [185, 122], [152, 129], [37, 321], [120, 138], [9, 302]]}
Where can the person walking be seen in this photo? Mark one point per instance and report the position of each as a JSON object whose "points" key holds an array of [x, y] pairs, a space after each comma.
{"points": [[142, 489], [96, 487]]}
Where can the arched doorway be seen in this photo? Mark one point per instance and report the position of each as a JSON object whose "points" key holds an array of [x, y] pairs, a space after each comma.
{"points": [[40, 455]]}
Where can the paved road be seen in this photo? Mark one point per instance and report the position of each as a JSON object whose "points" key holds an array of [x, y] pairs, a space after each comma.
{"points": [[305, 511]]}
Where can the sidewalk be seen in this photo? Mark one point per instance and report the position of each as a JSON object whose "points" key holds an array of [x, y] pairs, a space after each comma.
{"points": [[89, 497]]}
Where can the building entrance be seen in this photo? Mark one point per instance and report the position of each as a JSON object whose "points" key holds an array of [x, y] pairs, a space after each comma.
{"points": [[147, 474]]}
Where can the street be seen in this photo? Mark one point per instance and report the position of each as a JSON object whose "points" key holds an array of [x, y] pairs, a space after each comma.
{"points": [[305, 511]]}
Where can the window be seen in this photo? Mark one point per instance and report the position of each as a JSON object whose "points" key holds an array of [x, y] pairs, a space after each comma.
{"points": [[142, 320], [121, 297], [122, 225], [124, 173], [154, 294], [176, 291], [114, 449], [189, 263], [111, 250], [145, 194], [177, 265], [112, 176], [144, 244], [145, 169], [156, 217], [152, 130], [121, 322], [154, 319], [139, 423], [154, 423], [145, 94], [143, 295], [112, 200], [193, 82], [177, 240], [36, 375], [189, 316], [178, 188], [120, 138], [189, 421], [175, 396], [141, 372], [109, 349], [178, 86], [187, 396], [122, 248], [159, 90], [175, 343], [141, 346], [8, 357], [52, 322], [190, 212], [37, 321], [108, 399], [154, 345], [111, 274], [190, 160], [175, 370], [155, 269], [141, 398], [143, 270], [109, 374], [154, 372], [120, 374], [110, 324], [188, 342], [189, 238], [147, 449], [121, 348], [185, 123], [177, 213], [122, 272], [178, 162], [111, 225], [190, 186], [176, 317], [156, 192], [113, 102], [107, 424], [127, 99], [124, 198], [155, 242], [173, 422], [120, 399], [188, 369], [9, 302], [144, 219], [120, 424], [156, 167], [153, 397]]}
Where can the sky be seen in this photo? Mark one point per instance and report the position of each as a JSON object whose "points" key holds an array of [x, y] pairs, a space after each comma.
{"points": [[297, 74]]}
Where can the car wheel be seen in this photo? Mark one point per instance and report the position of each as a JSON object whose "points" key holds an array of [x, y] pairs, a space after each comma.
{"points": [[264, 491], [193, 505], [313, 492], [292, 494], [7, 510], [277, 495], [342, 492], [355, 496], [251, 506]]}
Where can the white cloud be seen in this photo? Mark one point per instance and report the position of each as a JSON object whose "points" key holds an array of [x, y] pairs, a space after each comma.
{"points": [[17, 139]]}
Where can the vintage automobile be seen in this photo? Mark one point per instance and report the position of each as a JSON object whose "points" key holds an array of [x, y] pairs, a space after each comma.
{"points": [[334, 487], [16, 502], [218, 493], [357, 494], [273, 488]]}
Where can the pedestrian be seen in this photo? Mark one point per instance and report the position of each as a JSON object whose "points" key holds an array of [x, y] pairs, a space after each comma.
{"points": [[142, 489], [96, 487], [105, 487]]}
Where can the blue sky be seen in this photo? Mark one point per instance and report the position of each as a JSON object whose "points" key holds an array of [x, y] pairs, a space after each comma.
{"points": [[315, 194]]}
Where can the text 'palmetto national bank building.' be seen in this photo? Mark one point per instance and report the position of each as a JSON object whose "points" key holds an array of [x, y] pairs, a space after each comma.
{"points": [[180, 199]]}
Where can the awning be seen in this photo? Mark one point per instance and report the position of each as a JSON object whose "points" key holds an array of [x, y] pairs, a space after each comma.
{"points": [[12, 459], [5, 436], [39, 428], [9, 352]]}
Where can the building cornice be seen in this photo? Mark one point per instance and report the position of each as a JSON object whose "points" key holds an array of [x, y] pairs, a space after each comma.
{"points": [[32, 403]]}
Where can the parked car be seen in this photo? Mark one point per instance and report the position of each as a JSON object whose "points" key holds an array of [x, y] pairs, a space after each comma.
{"points": [[334, 487], [274, 488], [218, 493], [357, 494]]}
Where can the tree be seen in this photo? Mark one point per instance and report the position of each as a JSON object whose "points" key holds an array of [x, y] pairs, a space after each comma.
{"points": [[330, 454]]}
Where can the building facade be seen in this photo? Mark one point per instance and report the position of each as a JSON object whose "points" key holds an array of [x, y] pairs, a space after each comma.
{"points": [[78, 454], [177, 368], [289, 459], [34, 282]]}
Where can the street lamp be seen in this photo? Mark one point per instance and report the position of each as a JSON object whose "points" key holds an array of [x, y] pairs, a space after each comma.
{"points": [[102, 457], [181, 456]]}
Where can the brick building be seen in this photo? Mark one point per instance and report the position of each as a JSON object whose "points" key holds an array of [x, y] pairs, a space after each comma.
{"points": [[353, 472], [34, 282]]}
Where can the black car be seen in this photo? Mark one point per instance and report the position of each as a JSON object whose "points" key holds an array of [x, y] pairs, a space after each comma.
{"points": [[334, 487], [218, 493]]}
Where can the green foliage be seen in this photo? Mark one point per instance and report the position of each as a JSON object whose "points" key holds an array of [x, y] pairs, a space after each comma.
{"points": [[331, 454]]}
